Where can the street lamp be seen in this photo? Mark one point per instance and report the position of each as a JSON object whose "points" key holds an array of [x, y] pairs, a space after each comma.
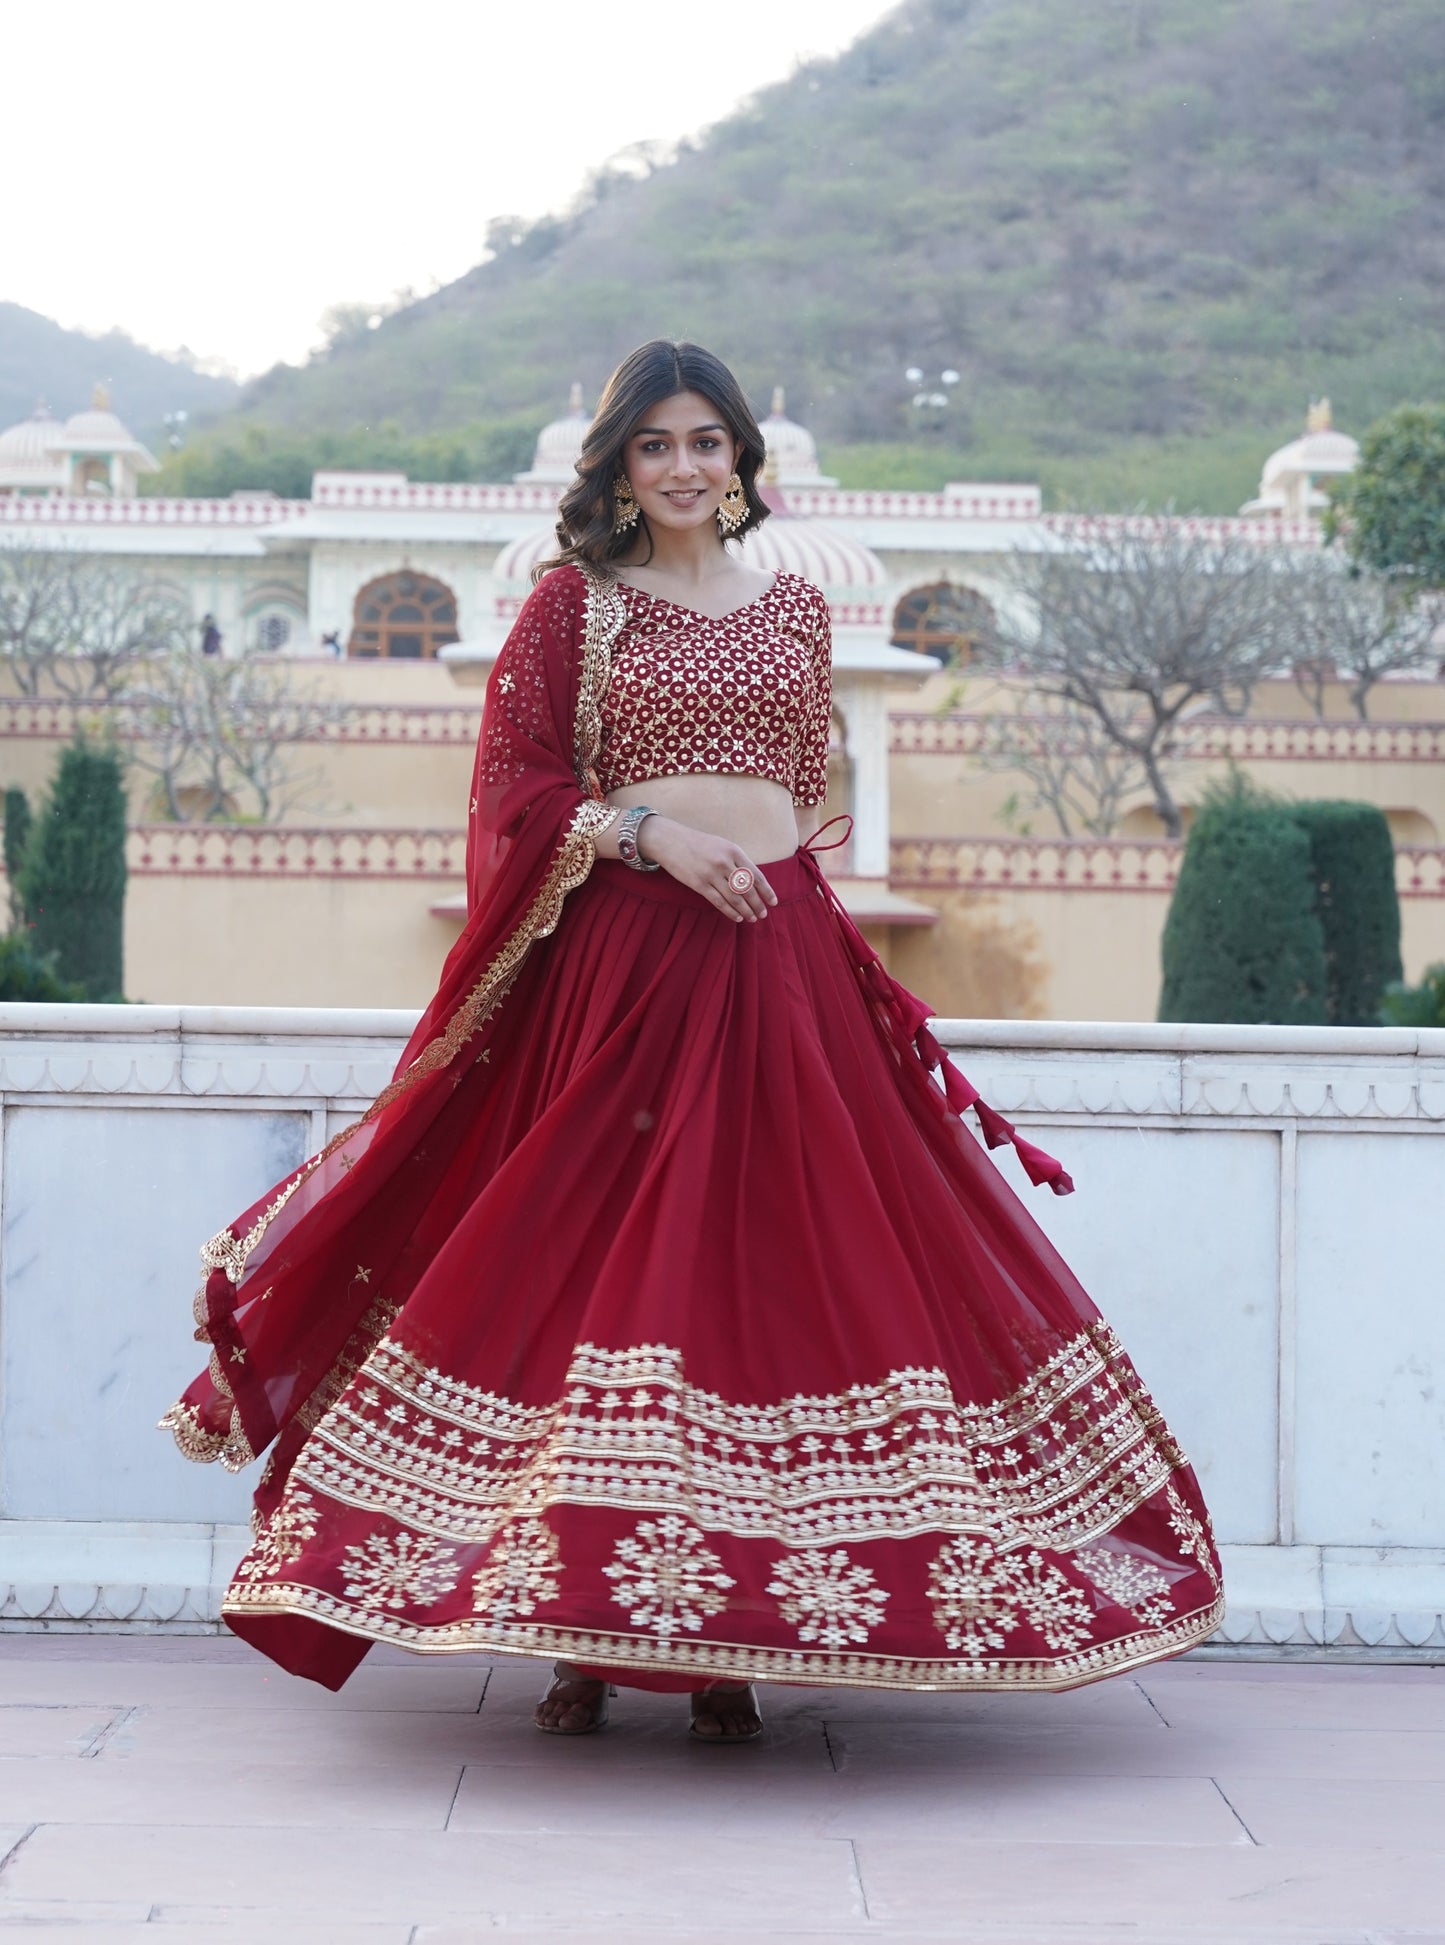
{"points": [[928, 403]]}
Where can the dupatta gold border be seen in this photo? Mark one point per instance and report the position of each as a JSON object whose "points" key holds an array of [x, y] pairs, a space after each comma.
{"points": [[603, 616]]}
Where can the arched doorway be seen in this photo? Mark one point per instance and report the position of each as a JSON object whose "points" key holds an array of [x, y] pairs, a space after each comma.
{"points": [[403, 615], [941, 620]]}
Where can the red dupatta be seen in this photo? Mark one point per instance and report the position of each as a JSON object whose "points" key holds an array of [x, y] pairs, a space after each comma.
{"points": [[288, 1314]]}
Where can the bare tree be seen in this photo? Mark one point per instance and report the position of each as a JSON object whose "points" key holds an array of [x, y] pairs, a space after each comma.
{"points": [[77, 627], [1136, 622], [222, 735], [1360, 627], [1072, 767]]}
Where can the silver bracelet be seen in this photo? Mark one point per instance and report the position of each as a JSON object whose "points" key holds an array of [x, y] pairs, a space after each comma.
{"points": [[627, 838]]}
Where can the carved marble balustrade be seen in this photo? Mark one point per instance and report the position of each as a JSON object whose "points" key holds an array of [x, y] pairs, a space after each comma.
{"points": [[1260, 1211]]}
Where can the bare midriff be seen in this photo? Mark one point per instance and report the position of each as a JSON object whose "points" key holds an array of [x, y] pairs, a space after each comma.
{"points": [[751, 812]]}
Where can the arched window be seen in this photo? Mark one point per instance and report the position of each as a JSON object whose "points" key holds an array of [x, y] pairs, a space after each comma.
{"points": [[941, 620], [403, 614]]}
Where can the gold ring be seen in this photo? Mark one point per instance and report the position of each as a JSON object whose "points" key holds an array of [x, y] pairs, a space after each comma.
{"points": [[741, 880]]}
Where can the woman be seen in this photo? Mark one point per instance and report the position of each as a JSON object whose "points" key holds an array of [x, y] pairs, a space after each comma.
{"points": [[662, 1313]]}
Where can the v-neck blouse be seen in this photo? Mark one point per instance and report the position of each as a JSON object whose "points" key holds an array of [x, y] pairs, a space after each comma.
{"points": [[749, 693]]}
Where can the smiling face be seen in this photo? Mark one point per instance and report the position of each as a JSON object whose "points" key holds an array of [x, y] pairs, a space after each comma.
{"points": [[679, 459]]}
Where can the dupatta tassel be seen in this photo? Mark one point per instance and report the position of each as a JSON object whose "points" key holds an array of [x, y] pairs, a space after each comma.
{"points": [[905, 1017]]}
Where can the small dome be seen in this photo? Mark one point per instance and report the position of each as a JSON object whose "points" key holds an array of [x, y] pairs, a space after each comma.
{"points": [[33, 439], [517, 559], [559, 447], [1287, 485], [100, 431], [831, 560], [792, 451]]}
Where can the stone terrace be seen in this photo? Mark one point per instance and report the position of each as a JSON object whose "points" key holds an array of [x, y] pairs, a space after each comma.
{"points": [[172, 1788]]}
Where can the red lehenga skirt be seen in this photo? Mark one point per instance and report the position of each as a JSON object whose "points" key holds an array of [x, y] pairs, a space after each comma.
{"points": [[719, 1348]]}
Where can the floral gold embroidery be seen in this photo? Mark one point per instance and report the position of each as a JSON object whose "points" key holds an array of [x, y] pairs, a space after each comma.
{"points": [[388, 1572], [1059, 1462], [668, 1577], [281, 1539], [828, 1597], [980, 1596], [523, 1571], [1129, 1582]]}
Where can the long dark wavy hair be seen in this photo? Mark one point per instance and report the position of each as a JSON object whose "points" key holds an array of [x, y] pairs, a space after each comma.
{"points": [[587, 514]]}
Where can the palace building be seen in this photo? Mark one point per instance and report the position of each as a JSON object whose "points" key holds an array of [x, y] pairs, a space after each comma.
{"points": [[392, 597]]}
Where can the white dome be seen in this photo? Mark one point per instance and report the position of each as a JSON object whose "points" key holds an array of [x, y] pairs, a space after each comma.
{"points": [[559, 447], [1325, 452], [517, 559], [100, 431], [792, 451], [33, 439], [1287, 487], [831, 560]]}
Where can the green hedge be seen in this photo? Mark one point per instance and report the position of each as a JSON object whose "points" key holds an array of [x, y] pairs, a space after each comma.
{"points": [[72, 880], [1353, 860], [1283, 913], [1243, 940]]}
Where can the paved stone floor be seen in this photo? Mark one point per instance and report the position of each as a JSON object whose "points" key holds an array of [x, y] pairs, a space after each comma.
{"points": [[168, 1790]]}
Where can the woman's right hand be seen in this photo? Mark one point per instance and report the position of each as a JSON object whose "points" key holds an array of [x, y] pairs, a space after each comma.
{"points": [[705, 864]]}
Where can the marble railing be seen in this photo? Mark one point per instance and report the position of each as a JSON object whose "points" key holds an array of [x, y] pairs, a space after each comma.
{"points": [[1261, 1212]]}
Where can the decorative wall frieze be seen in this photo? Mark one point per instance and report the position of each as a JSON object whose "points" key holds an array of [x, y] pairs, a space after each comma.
{"points": [[1091, 864], [919, 732]]}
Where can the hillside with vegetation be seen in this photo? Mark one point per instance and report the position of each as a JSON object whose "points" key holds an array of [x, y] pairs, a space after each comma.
{"points": [[39, 359], [1143, 232]]}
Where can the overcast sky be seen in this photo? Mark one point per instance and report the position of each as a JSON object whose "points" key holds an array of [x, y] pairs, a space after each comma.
{"points": [[213, 174]]}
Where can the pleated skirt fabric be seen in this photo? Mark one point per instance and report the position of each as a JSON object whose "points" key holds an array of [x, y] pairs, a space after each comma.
{"points": [[721, 1349]]}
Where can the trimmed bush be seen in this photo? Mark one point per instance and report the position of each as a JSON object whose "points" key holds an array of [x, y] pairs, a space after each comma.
{"points": [[1353, 860], [18, 821], [25, 977], [1243, 941], [1417, 1006], [72, 883]]}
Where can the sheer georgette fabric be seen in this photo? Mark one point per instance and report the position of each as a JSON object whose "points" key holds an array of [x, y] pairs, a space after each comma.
{"points": [[664, 1316]]}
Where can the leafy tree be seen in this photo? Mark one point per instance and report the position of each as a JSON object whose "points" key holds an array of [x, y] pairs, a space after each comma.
{"points": [[281, 459], [1243, 940], [24, 976], [1352, 860], [1417, 1006], [72, 883], [1391, 510]]}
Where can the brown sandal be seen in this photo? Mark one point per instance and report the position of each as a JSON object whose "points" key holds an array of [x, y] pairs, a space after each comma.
{"points": [[705, 1702], [564, 1675]]}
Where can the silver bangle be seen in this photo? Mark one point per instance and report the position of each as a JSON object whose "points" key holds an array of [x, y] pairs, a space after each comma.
{"points": [[627, 838]]}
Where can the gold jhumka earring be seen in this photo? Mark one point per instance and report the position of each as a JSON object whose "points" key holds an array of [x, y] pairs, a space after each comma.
{"points": [[733, 509], [625, 508]]}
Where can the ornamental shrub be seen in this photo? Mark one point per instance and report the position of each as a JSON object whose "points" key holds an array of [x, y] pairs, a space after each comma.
{"points": [[1353, 861], [1417, 1006], [72, 882], [25, 977], [17, 835], [1243, 941]]}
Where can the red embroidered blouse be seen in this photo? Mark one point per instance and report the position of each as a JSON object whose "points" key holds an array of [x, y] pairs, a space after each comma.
{"points": [[749, 694]]}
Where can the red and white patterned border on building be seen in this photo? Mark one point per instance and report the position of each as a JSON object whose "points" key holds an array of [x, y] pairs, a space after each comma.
{"points": [[1287, 739], [1090, 864], [294, 851], [918, 863]]}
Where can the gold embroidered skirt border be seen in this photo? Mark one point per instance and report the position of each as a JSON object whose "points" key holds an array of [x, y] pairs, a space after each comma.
{"points": [[711, 1660]]}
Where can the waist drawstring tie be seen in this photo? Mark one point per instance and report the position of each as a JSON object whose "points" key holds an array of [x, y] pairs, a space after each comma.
{"points": [[905, 1017]]}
